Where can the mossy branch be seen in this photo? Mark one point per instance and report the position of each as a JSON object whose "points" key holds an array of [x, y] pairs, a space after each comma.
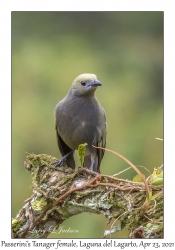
{"points": [[59, 193]]}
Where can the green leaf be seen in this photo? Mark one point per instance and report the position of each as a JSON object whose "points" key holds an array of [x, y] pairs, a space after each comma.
{"points": [[157, 177], [82, 152], [137, 178]]}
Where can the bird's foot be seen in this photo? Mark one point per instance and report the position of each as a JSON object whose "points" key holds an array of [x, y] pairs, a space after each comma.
{"points": [[60, 163]]}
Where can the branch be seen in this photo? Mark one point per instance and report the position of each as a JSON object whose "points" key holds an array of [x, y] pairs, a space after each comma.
{"points": [[59, 193]]}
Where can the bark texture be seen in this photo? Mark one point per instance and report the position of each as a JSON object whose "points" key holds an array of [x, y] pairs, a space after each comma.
{"points": [[59, 193]]}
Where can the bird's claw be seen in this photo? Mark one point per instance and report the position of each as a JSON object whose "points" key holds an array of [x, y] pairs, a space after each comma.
{"points": [[60, 163]]}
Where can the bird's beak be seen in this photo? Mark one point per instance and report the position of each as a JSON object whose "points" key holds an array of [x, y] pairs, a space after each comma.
{"points": [[96, 83]]}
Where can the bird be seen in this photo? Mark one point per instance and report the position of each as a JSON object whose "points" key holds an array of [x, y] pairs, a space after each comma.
{"points": [[79, 118]]}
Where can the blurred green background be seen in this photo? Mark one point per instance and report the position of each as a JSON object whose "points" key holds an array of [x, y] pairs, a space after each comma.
{"points": [[125, 51]]}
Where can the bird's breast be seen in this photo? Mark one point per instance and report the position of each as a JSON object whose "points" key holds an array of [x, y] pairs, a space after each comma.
{"points": [[76, 132], [79, 123]]}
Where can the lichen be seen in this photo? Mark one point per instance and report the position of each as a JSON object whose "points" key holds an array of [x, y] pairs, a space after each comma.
{"points": [[16, 225], [39, 204]]}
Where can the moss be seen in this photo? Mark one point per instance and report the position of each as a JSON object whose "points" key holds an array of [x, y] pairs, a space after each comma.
{"points": [[39, 204], [50, 182], [16, 225], [83, 194], [116, 214], [119, 204], [152, 228]]}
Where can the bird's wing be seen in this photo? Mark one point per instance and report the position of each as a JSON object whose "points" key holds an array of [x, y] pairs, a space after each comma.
{"points": [[100, 152], [102, 143], [64, 149]]}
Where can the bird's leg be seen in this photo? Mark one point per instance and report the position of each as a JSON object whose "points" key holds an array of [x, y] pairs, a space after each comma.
{"points": [[62, 161], [94, 163]]}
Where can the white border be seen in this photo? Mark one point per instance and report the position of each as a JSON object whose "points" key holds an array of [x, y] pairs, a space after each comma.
{"points": [[5, 91]]}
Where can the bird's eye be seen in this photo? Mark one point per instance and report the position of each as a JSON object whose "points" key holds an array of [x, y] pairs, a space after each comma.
{"points": [[83, 83]]}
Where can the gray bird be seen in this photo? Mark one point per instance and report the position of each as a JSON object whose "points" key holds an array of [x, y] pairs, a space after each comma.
{"points": [[81, 119]]}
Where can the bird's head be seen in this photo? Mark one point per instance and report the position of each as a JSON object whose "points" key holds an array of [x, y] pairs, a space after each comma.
{"points": [[85, 84]]}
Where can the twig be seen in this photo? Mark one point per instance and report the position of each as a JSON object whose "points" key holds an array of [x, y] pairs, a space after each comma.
{"points": [[132, 165]]}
